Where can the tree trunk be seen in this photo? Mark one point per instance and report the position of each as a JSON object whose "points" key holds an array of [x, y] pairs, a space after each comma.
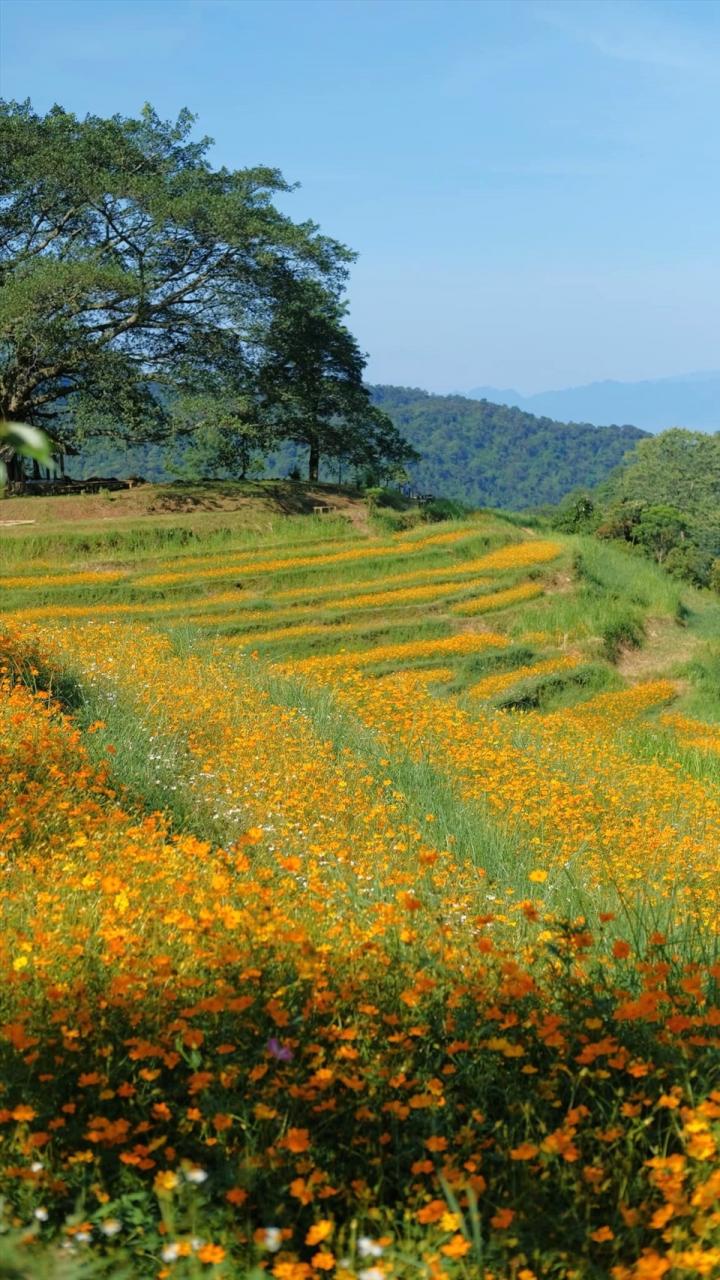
{"points": [[16, 473], [314, 460]]}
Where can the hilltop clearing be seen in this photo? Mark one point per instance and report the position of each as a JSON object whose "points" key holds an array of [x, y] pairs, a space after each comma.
{"points": [[360, 906], [212, 501], [211, 270]]}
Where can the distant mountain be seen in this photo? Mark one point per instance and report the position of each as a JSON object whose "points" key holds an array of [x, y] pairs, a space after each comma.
{"points": [[689, 400], [492, 455]]}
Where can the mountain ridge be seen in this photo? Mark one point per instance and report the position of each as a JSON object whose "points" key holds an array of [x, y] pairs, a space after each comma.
{"points": [[654, 404]]}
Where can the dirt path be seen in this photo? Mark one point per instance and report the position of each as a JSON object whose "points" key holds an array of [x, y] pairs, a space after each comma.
{"points": [[666, 645], [353, 509]]}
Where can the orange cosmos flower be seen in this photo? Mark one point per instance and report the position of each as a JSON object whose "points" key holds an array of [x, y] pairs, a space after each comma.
{"points": [[296, 1140], [456, 1248], [211, 1253], [319, 1231], [323, 1260], [502, 1219]]}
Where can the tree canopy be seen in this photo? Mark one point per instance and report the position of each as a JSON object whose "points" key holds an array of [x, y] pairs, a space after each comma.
{"points": [[680, 468], [493, 456], [663, 499], [133, 273], [311, 383]]}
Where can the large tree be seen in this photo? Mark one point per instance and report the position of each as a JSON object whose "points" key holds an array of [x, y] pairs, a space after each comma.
{"points": [[131, 270], [218, 434], [311, 383], [677, 468]]}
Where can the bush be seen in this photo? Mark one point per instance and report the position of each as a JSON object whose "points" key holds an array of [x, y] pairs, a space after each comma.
{"points": [[444, 509], [390, 521], [660, 530], [621, 521], [624, 632], [691, 564], [577, 514], [379, 496]]}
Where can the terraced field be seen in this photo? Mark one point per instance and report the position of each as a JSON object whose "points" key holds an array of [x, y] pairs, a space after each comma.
{"points": [[361, 909]]}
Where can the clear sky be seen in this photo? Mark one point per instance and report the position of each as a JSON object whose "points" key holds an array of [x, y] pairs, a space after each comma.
{"points": [[532, 186]]}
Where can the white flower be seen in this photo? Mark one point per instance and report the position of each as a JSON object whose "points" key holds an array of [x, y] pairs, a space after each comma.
{"points": [[36, 1166], [169, 1253], [273, 1239], [196, 1243], [371, 1273], [369, 1248], [111, 1226], [83, 1237], [196, 1175], [42, 1215]]}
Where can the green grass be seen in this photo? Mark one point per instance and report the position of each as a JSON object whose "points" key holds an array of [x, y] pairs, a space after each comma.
{"points": [[559, 689], [613, 594], [597, 603], [149, 541]]}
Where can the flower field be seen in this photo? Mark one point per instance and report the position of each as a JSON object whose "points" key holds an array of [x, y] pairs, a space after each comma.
{"points": [[348, 932]]}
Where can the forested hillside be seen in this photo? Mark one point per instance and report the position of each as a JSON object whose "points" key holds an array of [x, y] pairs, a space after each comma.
{"points": [[492, 455], [484, 454], [678, 467], [663, 499]]}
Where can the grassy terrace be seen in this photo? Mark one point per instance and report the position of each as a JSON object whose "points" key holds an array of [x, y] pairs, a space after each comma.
{"points": [[361, 901]]}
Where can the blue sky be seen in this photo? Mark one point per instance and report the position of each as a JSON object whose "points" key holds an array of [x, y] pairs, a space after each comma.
{"points": [[532, 186]]}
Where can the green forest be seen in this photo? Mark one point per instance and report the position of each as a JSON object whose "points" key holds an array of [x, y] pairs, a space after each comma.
{"points": [[470, 451], [664, 500], [490, 455]]}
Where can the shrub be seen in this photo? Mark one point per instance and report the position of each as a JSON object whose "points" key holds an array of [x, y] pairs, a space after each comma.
{"points": [[690, 563], [444, 509], [623, 632], [380, 496], [578, 514]]}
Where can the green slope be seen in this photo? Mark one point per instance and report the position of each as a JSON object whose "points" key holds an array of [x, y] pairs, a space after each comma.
{"points": [[492, 455]]}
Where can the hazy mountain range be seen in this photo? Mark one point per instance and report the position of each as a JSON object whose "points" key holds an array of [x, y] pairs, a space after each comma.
{"points": [[690, 400]]}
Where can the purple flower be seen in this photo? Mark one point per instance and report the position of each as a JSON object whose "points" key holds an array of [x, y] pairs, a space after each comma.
{"points": [[282, 1052]]}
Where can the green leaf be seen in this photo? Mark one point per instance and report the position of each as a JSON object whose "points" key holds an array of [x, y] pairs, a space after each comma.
{"points": [[29, 441]]}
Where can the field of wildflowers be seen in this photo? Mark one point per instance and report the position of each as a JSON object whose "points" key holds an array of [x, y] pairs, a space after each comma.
{"points": [[348, 933]]}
